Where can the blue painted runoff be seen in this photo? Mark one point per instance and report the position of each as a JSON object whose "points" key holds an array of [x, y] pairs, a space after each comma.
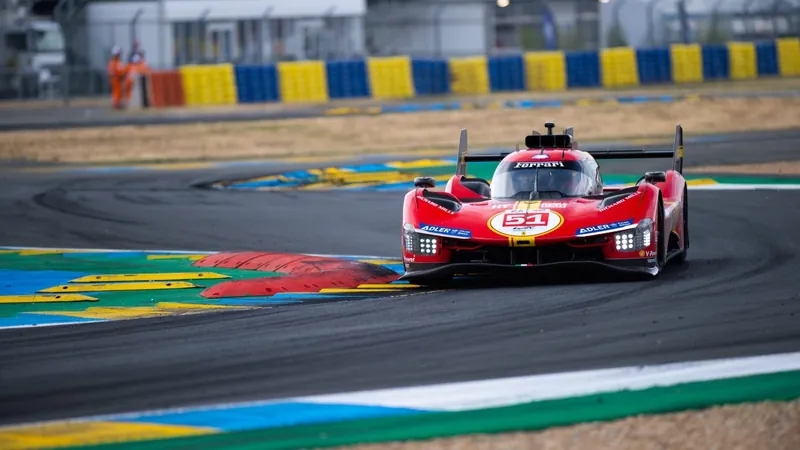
{"points": [[24, 282], [30, 319], [273, 415]]}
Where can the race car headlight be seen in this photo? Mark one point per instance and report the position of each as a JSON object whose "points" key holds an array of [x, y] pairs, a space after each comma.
{"points": [[421, 244], [636, 239], [428, 245]]}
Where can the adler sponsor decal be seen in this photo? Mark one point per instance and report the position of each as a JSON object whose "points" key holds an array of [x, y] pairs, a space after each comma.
{"points": [[528, 165], [604, 227], [446, 231]]}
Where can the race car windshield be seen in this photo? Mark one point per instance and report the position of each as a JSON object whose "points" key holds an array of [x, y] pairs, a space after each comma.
{"points": [[523, 180]]}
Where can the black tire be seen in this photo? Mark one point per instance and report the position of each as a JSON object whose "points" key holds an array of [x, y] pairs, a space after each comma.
{"points": [[662, 241], [681, 258]]}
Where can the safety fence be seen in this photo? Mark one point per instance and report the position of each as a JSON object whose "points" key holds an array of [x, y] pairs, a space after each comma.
{"points": [[404, 77]]}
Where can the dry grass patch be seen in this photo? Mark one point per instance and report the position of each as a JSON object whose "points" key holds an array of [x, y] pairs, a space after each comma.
{"points": [[773, 426], [357, 135]]}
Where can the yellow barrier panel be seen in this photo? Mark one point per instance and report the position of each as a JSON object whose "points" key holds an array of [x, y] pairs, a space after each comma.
{"points": [[303, 81], [390, 77], [687, 63], [618, 67], [469, 75], [742, 58], [788, 56], [545, 71], [209, 85]]}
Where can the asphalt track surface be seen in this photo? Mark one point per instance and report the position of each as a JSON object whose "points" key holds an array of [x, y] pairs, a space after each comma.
{"points": [[737, 295]]}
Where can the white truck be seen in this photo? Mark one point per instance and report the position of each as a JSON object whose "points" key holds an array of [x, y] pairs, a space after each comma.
{"points": [[33, 52]]}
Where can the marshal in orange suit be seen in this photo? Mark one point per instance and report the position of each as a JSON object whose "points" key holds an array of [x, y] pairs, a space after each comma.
{"points": [[117, 74]]}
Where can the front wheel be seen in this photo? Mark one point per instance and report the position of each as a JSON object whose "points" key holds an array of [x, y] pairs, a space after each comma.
{"points": [[661, 241]]}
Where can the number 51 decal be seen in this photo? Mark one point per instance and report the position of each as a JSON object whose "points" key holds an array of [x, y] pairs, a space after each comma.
{"points": [[538, 219]]}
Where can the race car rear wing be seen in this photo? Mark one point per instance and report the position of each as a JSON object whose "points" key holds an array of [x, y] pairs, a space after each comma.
{"points": [[464, 157], [676, 153]]}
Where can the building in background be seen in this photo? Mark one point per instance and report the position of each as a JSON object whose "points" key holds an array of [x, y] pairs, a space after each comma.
{"points": [[177, 32], [651, 23], [452, 28]]}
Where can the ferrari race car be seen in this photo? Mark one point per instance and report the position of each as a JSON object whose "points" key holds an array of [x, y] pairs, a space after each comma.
{"points": [[546, 206]]}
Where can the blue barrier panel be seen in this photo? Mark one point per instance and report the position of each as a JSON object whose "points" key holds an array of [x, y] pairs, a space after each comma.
{"points": [[716, 63], [256, 83], [583, 69], [347, 78], [245, 87], [655, 65], [767, 58], [431, 76], [506, 73]]}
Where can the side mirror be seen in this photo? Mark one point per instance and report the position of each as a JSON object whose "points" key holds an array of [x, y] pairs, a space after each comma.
{"points": [[655, 177], [424, 182]]}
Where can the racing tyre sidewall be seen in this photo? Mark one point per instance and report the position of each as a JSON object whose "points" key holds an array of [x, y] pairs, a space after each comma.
{"points": [[661, 241]]}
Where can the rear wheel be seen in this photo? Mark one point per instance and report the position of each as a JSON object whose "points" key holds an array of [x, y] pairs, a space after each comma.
{"points": [[681, 258]]}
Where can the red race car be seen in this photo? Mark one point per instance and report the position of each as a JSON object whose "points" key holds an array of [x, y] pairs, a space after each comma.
{"points": [[546, 206]]}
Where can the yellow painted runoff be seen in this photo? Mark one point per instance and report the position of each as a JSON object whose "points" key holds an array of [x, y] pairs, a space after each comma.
{"points": [[45, 298], [178, 256], [352, 291], [100, 287], [68, 434], [149, 277], [381, 261], [388, 286]]}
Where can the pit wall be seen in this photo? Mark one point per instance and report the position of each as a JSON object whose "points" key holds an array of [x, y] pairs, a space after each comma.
{"points": [[402, 77]]}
